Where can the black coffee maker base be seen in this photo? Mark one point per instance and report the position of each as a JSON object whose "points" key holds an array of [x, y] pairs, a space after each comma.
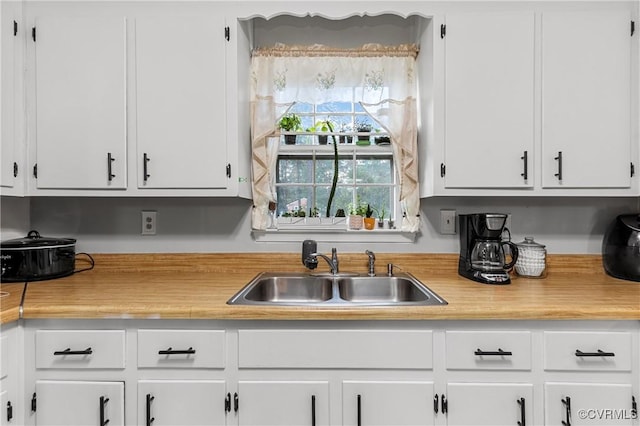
{"points": [[493, 278]]}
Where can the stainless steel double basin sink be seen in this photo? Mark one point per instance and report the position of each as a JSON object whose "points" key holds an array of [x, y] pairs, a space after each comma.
{"points": [[349, 290]]}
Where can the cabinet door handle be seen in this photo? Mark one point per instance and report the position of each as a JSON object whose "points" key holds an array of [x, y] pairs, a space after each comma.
{"points": [[523, 421], [499, 352], [313, 410], [110, 160], [559, 160], [9, 411], [236, 402], [435, 403], [227, 403], [145, 160], [68, 351], [579, 353], [103, 402], [148, 417], [444, 404], [171, 351], [359, 410], [15, 169], [567, 409], [525, 161]]}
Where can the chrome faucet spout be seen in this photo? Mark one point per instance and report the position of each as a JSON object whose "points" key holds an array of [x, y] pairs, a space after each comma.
{"points": [[372, 263], [331, 261]]}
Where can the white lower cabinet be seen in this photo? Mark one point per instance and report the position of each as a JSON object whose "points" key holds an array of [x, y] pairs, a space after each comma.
{"points": [[491, 404], [589, 404], [78, 403], [181, 402], [266, 403], [400, 403]]}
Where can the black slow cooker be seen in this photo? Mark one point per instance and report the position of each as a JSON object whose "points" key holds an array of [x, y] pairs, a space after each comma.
{"points": [[621, 248], [36, 258]]}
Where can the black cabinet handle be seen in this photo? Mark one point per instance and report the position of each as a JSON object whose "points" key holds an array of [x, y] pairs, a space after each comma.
{"points": [[313, 410], [559, 159], [171, 351], [227, 403], [592, 354], [236, 403], [435, 403], [9, 411], [444, 404], [145, 160], [499, 352], [110, 160], [68, 351], [149, 418], [525, 160], [567, 409], [103, 402], [359, 410], [523, 421], [15, 169]]}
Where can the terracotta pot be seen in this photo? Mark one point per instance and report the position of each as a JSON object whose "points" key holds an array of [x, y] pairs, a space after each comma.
{"points": [[369, 223]]}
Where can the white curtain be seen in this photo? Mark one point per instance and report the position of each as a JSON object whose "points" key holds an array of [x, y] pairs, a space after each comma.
{"points": [[381, 78]]}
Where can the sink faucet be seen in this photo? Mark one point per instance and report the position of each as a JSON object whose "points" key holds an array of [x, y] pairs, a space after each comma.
{"points": [[333, 261], [372, 263]]}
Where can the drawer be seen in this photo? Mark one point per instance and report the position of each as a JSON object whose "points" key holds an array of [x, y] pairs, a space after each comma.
{"points": [[4, 356], [488, 350], [181, 348], [584, 351], [392, 349], [80, 349]]}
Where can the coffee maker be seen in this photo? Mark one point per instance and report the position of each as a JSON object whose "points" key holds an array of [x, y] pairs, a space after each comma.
{"points": [[482, 256]]}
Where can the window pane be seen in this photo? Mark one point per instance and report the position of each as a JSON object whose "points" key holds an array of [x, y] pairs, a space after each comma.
{"points": [[341, 199], [292, 198], [294, 170], [299, 107], [378, 197], [324, 170], [335, 107], [374, 170]]}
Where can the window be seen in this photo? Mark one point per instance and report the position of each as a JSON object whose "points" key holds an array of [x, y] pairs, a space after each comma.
{"points": [[366, 174]]}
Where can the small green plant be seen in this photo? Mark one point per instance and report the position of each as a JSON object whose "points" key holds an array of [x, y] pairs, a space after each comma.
{"points": [[290, 123], [314, 212], [381, 214], [369, 211], [358, 209], [322, 126], [363, 126]]}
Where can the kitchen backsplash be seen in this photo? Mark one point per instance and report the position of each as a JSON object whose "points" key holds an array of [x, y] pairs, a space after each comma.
{"points": [[201, 225]]}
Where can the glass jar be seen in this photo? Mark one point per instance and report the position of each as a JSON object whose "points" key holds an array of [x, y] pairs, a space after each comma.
{"points": [[532, 259]]}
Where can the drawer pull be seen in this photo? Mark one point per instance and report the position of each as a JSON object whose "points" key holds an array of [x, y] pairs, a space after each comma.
{"points": [[359, 410], [599, 353], [499, 352], [171, 351], [313, 410], [522, 421], [68, 351]]}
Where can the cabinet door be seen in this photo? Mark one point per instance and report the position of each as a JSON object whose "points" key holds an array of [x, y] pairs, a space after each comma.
{"points": [[265, 403], [588, 404], [491, 404], [7, 84], [180, 95], [181, 402], [387, 403], [489, 105], [80, 103], [79, 403], [586, 89]]}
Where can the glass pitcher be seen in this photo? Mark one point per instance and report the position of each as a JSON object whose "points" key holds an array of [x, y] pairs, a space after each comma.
{"points": [[488, 255]]}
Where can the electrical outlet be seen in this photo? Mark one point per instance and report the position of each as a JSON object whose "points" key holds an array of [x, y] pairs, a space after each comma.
{"points": [[447, 222], [149, 222]]}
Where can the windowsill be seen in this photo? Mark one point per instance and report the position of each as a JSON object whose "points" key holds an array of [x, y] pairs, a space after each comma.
{"points": [[333, 235]]}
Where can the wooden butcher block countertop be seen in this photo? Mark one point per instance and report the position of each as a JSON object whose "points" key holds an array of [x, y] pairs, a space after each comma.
{"points": [[10, 297], [197, 286]]}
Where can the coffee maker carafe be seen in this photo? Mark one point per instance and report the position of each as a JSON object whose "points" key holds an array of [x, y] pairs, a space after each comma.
{"points": [[482, 256]]}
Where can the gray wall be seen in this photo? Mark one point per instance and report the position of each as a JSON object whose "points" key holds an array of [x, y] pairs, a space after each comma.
{"points": [[202, 225]]}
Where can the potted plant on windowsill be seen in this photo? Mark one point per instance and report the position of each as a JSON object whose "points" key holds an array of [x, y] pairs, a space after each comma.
{"points": [[381, 215], [322, 126], [290, 123], [356, 215], [369, 221], [363, 127]]}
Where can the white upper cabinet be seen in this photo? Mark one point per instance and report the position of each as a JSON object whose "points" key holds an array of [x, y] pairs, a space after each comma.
{"points": [[80, 79], [489, 100], [180, 109], [586, 99]]}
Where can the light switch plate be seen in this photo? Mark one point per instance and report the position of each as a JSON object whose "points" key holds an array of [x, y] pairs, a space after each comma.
{"points": [[447, 222]]}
